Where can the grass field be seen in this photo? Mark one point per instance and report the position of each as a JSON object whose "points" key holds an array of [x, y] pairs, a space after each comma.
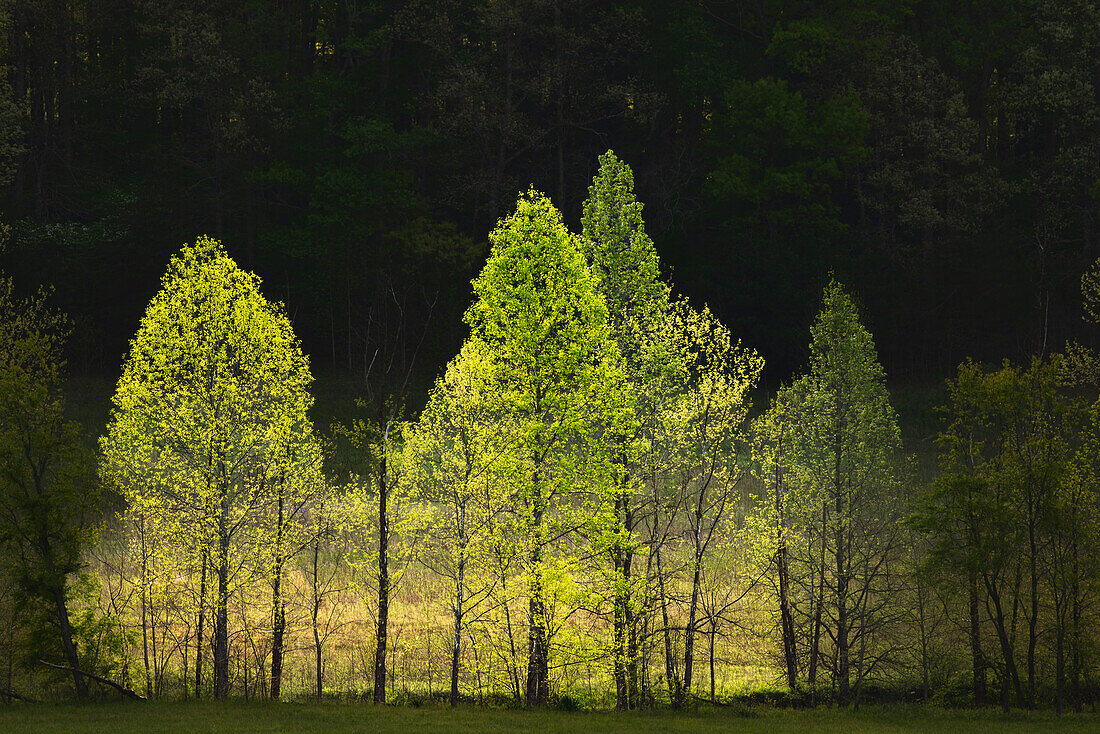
{"points": [[333, 718]]}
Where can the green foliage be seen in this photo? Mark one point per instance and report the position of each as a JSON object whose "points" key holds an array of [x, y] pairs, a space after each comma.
{"points": [[777, 157], [538, 311], [624, 261], [847, 437], [49, 497], [210, 439], [1007, 437], [828, 451], [457, 458], [215, 389], [1005, 513], [557, 375], [1082, 364]]}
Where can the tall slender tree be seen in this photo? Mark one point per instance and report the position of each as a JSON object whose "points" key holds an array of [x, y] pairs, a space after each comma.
{"points": [[845, 452], [457, 460], [624, 260], [558, 373], [701, 424]]}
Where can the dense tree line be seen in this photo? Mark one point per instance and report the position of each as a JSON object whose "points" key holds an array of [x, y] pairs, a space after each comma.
{"points": [[587, 507], [939, 158]]}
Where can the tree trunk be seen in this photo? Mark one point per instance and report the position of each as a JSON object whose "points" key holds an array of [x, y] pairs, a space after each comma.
{"points": [[278, 608], [538, 673], [383, 582], [786, 618], [925, 662], [145, 608], [314, 613], [633, 699], [513, 663], [671, 676], [622, 695], [456, 648], [538, 684], [57, 595], [202, 618], [1033, 617], [710, 651], [1059, 653], [81, 685], [815, 636], [1007, 651], [842, 562], [221, 611], [976, 657], [689, 636], [1075, 630]]}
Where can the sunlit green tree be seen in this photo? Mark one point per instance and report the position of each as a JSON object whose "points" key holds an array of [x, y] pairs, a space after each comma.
{"points": [[558, 376], [844, 457], [624, 261], [210, 419], [457, 461]]}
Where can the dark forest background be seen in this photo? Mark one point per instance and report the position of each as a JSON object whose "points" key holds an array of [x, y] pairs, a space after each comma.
{"points": [[939, 157]]}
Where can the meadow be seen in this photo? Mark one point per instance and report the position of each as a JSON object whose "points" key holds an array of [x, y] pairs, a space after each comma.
{"points": [[334, 718]]}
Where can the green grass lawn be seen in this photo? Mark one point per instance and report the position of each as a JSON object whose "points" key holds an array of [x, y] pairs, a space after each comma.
{"points": [[334, 718]]}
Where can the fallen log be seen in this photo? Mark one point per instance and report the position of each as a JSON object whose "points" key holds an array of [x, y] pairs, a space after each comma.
{"points": [[12, 694], [121, 689]]}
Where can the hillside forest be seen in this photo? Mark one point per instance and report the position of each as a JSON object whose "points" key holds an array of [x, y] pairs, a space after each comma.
{"points": [[545, 353]]}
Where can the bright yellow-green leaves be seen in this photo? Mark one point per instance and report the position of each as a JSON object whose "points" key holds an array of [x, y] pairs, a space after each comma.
{"points": [[557, 375], [701, 420], [215, 393], [210, 441], [623, 258], [537, 311]]}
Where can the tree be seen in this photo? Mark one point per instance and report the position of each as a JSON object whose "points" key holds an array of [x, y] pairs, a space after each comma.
{"points": [[558, 376], [624, 261], [700, 424], [210, 417], [771, 460], [1078, 528], [844, 456], [48, 491], [298, 489], [456, 458], [1000, 506], [1076, 563]]}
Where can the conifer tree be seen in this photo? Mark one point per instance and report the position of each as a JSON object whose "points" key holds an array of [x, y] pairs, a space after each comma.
{"points": [[846, 446], [844, 452]]}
